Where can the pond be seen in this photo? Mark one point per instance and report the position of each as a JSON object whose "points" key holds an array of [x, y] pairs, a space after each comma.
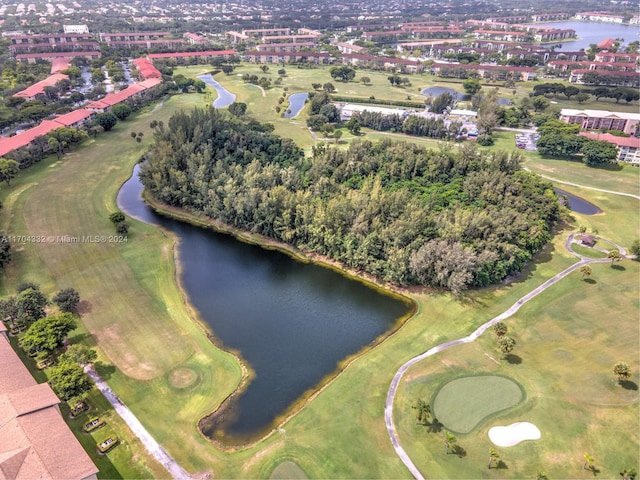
{"points": [[435, 91], [291, 322], [296, 102], [225, 97], [577, 204]]}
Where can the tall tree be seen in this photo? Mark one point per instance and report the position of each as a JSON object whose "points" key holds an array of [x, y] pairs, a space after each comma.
{"points": [[500, 329], [8, 170], [68, 380], [506, 345], [67, 300], [31, 303], [622, 371], [614, 255], [342, 73], [585, 270]]}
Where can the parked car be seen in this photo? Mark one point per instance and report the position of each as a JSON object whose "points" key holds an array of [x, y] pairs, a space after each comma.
{"points": [[108, 444], [46, 363], [93, 424]]}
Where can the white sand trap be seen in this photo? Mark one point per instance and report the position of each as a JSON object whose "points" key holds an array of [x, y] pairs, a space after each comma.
{"points": [[513, 434]]}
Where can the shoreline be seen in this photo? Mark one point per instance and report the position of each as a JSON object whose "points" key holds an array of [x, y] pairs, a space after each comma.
{"points": [[308, 395]]}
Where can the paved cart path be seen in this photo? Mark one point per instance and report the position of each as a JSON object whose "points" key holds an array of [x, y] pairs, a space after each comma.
{"points": [[391, 393], [153, 447]]}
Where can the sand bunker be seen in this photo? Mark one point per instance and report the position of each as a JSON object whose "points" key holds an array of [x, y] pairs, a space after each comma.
{"points": [[513, 434]]}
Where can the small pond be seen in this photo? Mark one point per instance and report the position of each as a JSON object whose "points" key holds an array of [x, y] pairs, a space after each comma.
{"points": [[296, 103], [579, 205], [225, 97], [435, 91]]}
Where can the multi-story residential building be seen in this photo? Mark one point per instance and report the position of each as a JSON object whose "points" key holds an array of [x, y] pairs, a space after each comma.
{"points": [[628, 147], [288, 57], [602, 119], [600, 17]]}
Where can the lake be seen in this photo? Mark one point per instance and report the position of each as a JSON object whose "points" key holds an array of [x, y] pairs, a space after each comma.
{"points": [[296, 102], [593, 32], [291, 322]]}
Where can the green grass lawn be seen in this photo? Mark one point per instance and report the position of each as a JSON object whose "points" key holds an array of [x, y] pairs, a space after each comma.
{"points": [[588, 252], [137, 318], [461, 404], [568, 340]]}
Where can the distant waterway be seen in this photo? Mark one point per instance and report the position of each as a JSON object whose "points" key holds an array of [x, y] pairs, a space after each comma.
{"points": [[225, 97], [593, 32]]}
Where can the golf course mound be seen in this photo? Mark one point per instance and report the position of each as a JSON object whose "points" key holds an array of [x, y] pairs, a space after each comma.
{"points": [[461, 404], [183, 378], [288, 470]]}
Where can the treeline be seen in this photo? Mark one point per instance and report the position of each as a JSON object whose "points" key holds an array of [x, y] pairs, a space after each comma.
{"points": [[411, 125], [451, 217]]}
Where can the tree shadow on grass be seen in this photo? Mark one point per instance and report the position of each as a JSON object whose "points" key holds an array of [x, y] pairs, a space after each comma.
{"points": [[84, 306], [620, 268], [82, 337], [628, 385], [590, 281], [104, 370], [501, 465], [459, 451], [513, 359]]}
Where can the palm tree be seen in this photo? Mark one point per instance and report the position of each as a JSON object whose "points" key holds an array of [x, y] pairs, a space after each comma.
{"points": [[588, 462], [628, 474], [541, 476], [424, 411], [585, 270], [493, 455], [449, 441]]}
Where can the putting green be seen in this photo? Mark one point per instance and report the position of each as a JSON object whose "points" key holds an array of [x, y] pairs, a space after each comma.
{"points": [[461, 404]]}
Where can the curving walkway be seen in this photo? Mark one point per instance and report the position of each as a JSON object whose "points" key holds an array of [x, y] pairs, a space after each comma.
{"points": [[153, 447], [391, 393], [613, 192]]}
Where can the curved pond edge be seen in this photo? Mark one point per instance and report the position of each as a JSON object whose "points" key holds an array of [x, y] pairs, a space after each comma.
{"points": [[248, 373], [564, 193]]}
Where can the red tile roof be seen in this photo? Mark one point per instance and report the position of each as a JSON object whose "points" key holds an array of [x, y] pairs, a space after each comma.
{"points": [[8, 144], [208, 53], [114, 98], [38, 88], [632, 142], [146, 68], [35, 442], [59, 64], [71, 118]]}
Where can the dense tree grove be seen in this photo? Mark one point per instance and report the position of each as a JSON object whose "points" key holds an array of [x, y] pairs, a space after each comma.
{"points": [[451, 217]]}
